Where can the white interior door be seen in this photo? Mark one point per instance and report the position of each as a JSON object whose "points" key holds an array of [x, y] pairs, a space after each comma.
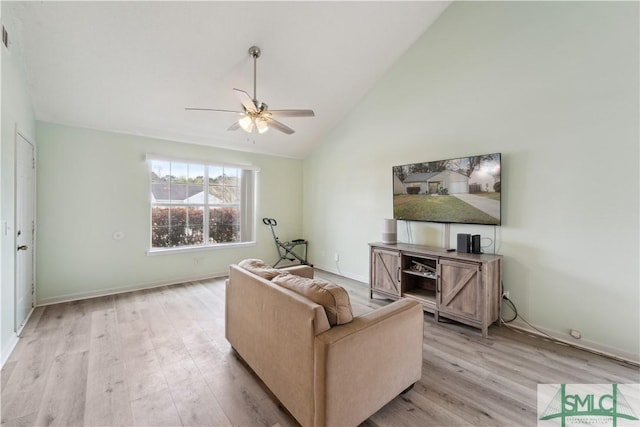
{"points": [[25, 225]]}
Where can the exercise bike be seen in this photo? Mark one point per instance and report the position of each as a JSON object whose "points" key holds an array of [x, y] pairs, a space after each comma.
{"points": [[285, 249]]}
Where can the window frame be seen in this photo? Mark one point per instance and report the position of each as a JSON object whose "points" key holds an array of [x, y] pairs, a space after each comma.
{"points": [[247, 204]]}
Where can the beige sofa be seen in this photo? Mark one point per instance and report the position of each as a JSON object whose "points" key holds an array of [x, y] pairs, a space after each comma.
{"points": [[323, 375]]}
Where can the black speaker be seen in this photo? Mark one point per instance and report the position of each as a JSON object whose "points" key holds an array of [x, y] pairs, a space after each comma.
{"points": [[475, 244], [464, 242]]}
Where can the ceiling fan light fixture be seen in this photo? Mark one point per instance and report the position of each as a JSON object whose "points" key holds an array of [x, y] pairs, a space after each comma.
{"points": [[246, 123], [262, 125]]}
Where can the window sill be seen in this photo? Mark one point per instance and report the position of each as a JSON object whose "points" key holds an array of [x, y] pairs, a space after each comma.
{"points": [[169, 251]]}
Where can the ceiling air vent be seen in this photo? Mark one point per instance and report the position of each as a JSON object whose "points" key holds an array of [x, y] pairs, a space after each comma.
{"points": [[5, 37]]}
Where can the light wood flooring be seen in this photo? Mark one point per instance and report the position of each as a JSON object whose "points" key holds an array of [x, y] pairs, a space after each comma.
{"points": [[159, 358]]}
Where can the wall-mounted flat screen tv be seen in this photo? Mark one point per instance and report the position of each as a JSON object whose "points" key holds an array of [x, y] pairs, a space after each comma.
{"points": [[464, 190]]}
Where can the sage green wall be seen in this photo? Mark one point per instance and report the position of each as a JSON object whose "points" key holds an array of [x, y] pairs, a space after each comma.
{"points": [[554, 87], [17, 114], [93, 183]]}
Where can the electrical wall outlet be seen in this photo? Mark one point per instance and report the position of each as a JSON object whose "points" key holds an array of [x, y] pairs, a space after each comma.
{"points": [[336, 257], [505, 294]]}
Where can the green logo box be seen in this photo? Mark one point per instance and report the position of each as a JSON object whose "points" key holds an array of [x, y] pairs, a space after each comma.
{"points": [[615, 405]]}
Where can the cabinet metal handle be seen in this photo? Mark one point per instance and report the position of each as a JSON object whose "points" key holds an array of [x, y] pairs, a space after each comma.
{"points": [[23, 247]]}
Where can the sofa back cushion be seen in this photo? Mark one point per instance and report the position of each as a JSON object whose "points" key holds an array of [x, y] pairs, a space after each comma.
{"points": [[332, 297], [260, 268]]}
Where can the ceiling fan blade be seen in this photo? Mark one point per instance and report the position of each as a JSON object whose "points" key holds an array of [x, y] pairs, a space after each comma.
{"points": [[279, 126], [212, 109], [234, 126], [246, 100], [291, 113]]}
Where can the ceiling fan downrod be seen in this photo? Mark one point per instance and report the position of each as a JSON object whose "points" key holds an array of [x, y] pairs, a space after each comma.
{"points": [[255, 52]]}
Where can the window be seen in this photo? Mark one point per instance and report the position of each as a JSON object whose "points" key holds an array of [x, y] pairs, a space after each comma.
{"points": [[200, 205]]}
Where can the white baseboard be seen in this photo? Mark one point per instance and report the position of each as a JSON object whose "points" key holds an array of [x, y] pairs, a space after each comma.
{"points": [[363, 279], [565, 338], [6, 352], [335, 270], [326, 268], [124, 289]]}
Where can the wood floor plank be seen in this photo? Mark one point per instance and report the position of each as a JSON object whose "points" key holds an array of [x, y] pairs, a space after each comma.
{"points": [[413, 409], [51, 318], [144, 375], [142, 367], [126, 309], [184, 370], [7, 370], [155, 409], [497, 404], [76, 323], [24, 421], [243, 397], [68, 373], [108, 401], [166, 341], [135, 339], [25, 388], [470, 412], [105, 345], [32, 321], [196, 404], [159, 357]]}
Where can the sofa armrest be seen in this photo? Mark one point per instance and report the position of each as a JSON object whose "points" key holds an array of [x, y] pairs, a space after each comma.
{"points": [[301, 270], [363, 365]]}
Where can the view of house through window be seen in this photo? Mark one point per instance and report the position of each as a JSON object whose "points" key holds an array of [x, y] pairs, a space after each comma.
{"points": [[199, 205]]}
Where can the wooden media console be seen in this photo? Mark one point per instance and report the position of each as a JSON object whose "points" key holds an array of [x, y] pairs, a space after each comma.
{"points": [[459, 286]]}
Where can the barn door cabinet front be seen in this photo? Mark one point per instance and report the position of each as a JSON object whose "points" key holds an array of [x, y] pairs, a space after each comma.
{"points": [[460, 290], [385, 272]]}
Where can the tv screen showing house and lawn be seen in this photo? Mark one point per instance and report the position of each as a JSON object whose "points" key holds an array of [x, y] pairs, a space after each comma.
{"points": [[465, 190]]}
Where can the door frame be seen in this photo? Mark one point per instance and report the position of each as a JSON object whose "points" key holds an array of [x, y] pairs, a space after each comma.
{"points": [[16, 327]]}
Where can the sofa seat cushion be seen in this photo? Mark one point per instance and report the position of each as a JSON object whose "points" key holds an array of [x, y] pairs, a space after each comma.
{"points": [[260, 268], [332, 297]]}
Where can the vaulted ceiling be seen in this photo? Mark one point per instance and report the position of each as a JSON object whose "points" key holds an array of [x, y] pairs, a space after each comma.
{"points": [[133, 67]]}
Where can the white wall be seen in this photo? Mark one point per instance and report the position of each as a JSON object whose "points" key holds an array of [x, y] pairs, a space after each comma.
{"points": [[17, 113], [93, 183], [554, 87]]}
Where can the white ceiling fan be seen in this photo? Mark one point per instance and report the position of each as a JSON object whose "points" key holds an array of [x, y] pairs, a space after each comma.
{"points": [[255, 115]]}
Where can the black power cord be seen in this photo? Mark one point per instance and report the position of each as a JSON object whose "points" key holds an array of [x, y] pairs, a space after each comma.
{"points": [[516, 315], [513, 308]]}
